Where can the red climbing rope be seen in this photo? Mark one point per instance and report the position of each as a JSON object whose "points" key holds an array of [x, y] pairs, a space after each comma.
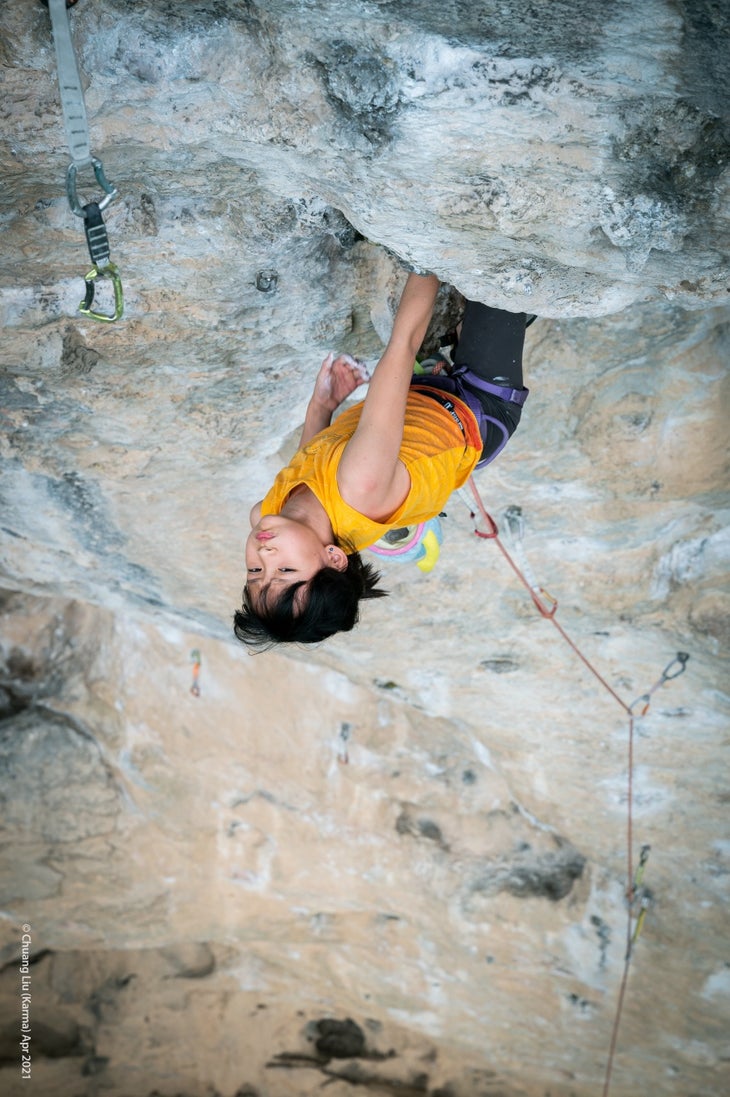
{"points": [[547, 607], [493, 535]]}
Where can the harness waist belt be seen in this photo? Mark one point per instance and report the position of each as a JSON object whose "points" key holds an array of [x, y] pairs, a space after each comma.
{"points": [[445, 403], [461, 382], [504, 392]]}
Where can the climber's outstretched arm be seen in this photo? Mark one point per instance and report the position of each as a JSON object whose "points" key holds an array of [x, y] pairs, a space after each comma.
{"points": [[371, 477]]}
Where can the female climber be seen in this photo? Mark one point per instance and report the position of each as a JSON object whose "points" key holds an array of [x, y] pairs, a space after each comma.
{"points": [[386, 462]]}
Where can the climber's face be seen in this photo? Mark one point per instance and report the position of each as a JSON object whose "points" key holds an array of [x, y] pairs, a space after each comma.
{"points": [[282, 551]]}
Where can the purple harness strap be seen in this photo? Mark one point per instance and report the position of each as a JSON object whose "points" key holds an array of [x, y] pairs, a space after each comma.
{"points": [[454, 383], [512, 396]]}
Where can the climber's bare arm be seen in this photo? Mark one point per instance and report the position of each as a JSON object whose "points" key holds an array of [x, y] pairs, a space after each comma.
{"points": [[371, 477]]}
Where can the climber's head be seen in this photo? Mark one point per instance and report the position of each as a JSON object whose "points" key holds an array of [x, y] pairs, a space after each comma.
{"points": [[299, 589]]}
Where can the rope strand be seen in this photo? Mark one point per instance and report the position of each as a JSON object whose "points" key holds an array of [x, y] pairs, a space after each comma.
{"points": [[672, 670]]}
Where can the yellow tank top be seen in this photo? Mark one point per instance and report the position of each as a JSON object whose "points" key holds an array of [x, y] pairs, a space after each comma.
{"points": [[437, 456]]}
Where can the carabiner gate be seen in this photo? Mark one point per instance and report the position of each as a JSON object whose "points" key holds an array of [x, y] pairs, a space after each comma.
{"points": [[73, 198], [109, 271]]}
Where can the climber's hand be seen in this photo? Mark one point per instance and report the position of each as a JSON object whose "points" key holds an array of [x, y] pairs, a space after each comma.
{"points": [[337, 379]]}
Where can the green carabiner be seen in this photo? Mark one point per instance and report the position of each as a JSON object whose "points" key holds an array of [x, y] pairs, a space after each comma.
{"points": [[109, 271]]}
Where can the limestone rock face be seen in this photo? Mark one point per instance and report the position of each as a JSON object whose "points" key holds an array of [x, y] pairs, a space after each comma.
{"points": [[396, 862]]}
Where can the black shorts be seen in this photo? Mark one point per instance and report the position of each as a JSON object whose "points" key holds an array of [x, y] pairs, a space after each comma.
{"points": [[491, 345]]}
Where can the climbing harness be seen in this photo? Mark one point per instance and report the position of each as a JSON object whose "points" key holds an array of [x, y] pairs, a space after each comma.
{"points": [[460, 381], [638, 896], [77, 134]]}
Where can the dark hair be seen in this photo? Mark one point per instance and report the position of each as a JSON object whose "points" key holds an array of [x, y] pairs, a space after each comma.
{"points": [[331, 605]]}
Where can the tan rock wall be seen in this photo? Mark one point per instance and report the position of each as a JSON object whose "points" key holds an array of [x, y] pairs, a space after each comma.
{"points": [[420, 826]]}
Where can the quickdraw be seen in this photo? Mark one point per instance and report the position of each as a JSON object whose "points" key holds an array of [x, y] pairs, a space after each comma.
{"points": [[196, 660], [640, 898], [672, 670], [77, 134]]}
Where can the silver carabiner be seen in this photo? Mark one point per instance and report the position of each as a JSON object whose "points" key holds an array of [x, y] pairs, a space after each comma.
{"points": [[677, 666], [73, 198]]}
